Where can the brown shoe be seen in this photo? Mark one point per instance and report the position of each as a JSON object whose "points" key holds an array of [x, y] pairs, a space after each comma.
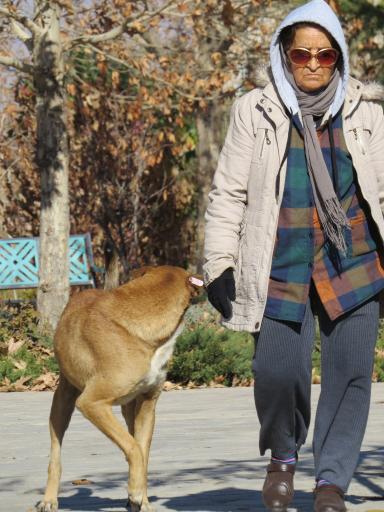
{"points": [[329, 498], [278, 486]]}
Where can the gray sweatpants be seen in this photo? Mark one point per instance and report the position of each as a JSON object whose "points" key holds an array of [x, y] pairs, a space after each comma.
{"points": [[282, 369]]}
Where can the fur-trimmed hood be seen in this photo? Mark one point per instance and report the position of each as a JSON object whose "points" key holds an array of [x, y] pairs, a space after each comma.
{"points": [[370, 91]]}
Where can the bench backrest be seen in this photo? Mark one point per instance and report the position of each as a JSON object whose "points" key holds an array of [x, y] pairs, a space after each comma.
{"points": [[19, 262]]}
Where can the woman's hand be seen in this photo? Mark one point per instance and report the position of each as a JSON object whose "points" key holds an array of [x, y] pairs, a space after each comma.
{"points": [[221, 291]]}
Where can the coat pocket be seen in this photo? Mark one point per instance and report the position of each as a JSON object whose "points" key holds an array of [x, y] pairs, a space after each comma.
{"points": [[359, 236], [248, 263]]}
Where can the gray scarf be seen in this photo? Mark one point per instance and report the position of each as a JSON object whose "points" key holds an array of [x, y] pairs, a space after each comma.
{"points": [[331, 214]]}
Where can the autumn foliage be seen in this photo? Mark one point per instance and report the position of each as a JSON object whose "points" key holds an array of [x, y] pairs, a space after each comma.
{"points": [[132, 106]]}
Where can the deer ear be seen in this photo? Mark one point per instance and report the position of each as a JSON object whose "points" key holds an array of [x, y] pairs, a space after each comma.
{"points": [[196, 281]]}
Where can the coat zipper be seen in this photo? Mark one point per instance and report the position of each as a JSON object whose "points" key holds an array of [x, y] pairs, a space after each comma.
{"points": [[266, 140], [357, 139]]}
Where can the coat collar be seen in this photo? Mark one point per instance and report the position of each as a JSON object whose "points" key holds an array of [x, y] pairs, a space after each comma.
{"points": [[356, 92], [272, 106]]}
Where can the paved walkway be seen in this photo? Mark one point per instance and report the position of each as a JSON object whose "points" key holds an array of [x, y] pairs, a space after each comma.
{"points": [[204, 457]]}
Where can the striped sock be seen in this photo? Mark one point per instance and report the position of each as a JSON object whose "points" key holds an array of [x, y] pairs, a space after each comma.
{"points": [[289, 460], [322, 482]]}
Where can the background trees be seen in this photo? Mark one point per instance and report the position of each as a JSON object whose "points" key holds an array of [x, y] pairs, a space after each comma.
{"points": [[136, 112], [48, 37]]}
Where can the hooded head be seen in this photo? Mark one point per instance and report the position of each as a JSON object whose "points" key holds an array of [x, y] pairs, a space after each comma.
{"points": [[316, 12]]}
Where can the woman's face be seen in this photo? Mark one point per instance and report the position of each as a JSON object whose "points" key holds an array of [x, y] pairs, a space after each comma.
{"points": [[311, 77]]}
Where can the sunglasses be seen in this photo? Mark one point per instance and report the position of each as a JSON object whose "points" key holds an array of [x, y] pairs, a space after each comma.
{"points": [[326, 57]]}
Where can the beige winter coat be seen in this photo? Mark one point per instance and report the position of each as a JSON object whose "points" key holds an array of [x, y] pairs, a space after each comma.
{"points": [[247, 190]]}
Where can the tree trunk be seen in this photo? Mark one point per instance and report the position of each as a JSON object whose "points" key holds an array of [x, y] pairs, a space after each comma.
{"points": [[211, 128], [52, 159]]}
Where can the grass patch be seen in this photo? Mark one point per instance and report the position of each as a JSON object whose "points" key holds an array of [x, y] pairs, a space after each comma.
{"points": [[26, 354]]}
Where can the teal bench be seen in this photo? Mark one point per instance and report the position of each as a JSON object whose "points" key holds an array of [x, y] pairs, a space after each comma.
{"points": [[19, 262]]}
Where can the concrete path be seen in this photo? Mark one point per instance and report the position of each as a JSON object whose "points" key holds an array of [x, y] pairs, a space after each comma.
{"points": [[204, 457]]}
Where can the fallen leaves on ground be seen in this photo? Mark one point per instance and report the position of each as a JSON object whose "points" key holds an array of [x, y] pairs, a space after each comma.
{"points": [[45, 382], [82, 481], [14, 346]]}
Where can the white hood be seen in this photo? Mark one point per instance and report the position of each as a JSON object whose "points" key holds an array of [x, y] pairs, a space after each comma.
{"points": [[319, 12]]}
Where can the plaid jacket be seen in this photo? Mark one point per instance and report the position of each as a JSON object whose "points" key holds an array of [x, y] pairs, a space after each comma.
{"points": [[301, 253]]}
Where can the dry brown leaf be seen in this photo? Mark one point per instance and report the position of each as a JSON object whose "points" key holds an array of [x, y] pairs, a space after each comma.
{"points": [[171, 137], [67, 5], [71, 89], [182, 7], [20, 365], [236, 381], [115, 78], [93, 100], [214, 384], [43, 350], [137, 26], [82, 481], [127, 11], [216, 57], [23, 380], [6, 386], [19, 385], [11, 109], [14, 346], [45, 381], [170, 386]]}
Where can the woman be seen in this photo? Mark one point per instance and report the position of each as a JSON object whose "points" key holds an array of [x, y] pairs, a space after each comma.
{"points": [[295, 227]]}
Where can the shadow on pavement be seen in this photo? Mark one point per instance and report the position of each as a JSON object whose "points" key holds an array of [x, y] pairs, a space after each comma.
{"points": [[371, 463], [224, 500], [232, 500], [227, 497]]}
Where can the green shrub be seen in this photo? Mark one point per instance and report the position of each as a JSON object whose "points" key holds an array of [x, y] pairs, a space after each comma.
{"points": [[204, 354], [378, 371], [20, 321]]}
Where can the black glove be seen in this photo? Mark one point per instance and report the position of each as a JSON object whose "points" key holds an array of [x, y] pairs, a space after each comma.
{"points": [[221, 291]]}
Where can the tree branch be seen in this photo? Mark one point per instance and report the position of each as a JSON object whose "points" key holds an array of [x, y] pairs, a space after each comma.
{"points": [[20, 31], [120, 29], [23, 20], [144, 41], [191, 97], [17, 64], [22, 34]]}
